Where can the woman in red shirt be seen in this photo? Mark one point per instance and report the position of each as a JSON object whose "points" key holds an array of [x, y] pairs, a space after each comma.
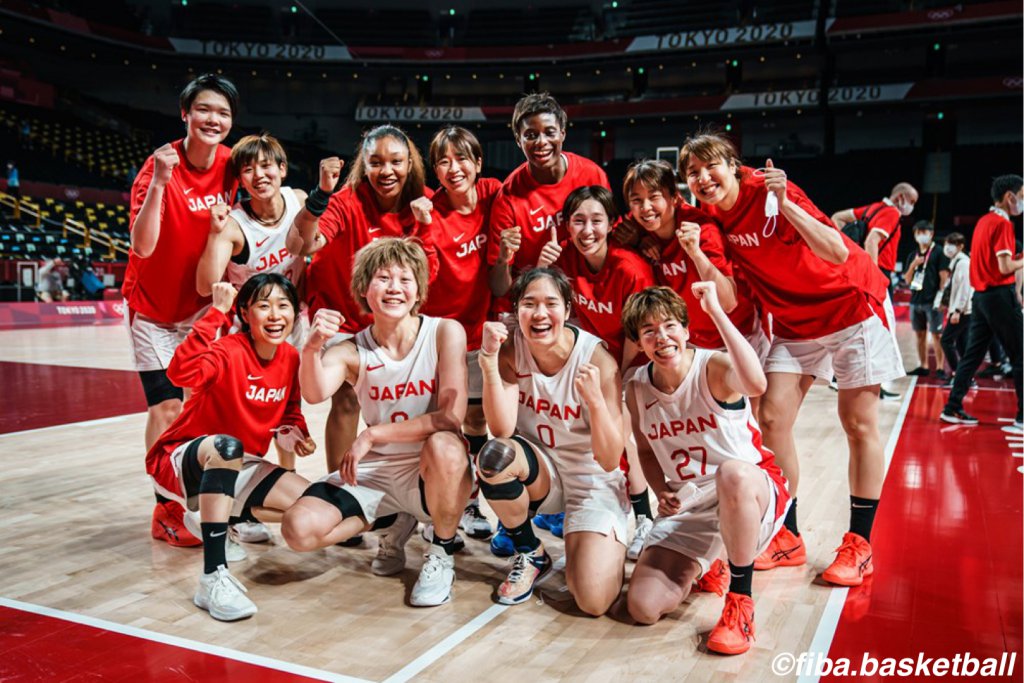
{"points": [[830, 312]]}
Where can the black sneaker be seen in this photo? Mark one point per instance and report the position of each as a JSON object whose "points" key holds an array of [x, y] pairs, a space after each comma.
{"points": [[957, 417], [888, 395], [918, 372], [941, 375], [989, 372]]}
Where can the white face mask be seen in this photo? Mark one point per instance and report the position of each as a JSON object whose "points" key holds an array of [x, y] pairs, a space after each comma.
{"points": [[1015, 206], [949, 250], [904, 207], [924, 239]]}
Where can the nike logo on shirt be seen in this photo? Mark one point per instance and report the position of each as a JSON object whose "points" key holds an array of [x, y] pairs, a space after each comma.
{"points": [[648, 405], [188, 190], [371, 368], [261, 243], [373, 230], [533, 212], [458, 237], [253, 379]]}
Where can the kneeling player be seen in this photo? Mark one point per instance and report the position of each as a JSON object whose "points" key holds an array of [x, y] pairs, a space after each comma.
{"points": [[245, 389], [411, 462], [701, 450], [552, 397]]}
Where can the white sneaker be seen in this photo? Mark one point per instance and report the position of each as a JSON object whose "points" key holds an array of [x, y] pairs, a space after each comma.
{"points": [[390, 558], [643, 528], [252, 532], [428, 536], [223, 596], [434, 587], [474, 523], [233, 552]]}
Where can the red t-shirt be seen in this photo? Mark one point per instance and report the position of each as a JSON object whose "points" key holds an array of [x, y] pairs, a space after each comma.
{"points": [[461, 290], [807, 296], [886, 220], [352, 220], [234, 392], [163, 286], [993, 235], [676, 269], [598, 298]]}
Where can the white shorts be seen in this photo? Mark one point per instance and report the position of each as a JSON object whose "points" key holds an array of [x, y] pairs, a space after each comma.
{"points": [[761, 343], [254, 470], [694, 531], [152, 344], [598, 503], [858, 356], [386, 486], [476, 375]]}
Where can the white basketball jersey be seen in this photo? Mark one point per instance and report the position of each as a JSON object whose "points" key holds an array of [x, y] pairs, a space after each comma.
{"points": [[551, 411], [267, 251], [392, 390], [691, 433]]}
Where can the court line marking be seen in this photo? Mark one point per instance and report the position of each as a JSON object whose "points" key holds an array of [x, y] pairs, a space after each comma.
{"points": [[196, 646], [826, 631], [86, 423]]}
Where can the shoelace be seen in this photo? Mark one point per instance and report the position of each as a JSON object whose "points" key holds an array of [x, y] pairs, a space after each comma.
{"points": [[474, 512], [847, 553], [225, 580], [519, 563], [432, 565]]}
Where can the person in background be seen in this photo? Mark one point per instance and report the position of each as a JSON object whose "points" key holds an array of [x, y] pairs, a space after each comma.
{"points": [[956, 297], [925, 272]]}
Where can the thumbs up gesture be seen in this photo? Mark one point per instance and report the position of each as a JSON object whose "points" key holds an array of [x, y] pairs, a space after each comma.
{"points": [[551, 251], [775, 181]]}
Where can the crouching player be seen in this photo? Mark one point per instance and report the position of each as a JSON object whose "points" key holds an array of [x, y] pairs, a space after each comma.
{"points": [[701, 450], [411, 462], [245, 390], [552, 397]]}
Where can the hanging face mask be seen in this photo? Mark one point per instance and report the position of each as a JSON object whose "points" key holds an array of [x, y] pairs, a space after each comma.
{"points": [[771, 214], [949, 251], [924, 239]]}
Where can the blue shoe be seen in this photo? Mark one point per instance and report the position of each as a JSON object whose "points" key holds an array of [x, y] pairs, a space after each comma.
{"points": [[501, 543], [553, 523]]}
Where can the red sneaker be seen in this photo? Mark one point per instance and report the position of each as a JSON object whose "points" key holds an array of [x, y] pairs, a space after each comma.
{"points": [[715, 579], [169, 525], [785, 550], [734, 632], [852, 563]]}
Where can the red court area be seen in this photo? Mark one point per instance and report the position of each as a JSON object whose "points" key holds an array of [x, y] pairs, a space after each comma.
{"points": [[46, 395], [947, 543], [41, 648]]}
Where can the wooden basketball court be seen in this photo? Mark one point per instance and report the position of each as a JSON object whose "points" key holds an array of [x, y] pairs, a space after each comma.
{"points": [[85, 592]]}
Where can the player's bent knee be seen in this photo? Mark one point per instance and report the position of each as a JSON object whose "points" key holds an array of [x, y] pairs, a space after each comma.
{"points": [[495, 457], [299, 528], [444, 452], [735, 479], [595, 602], [646, 607]]}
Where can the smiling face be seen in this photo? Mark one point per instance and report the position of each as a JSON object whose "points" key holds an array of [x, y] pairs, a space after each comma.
{"points": [[262, 177], [542, 312], [209, 119], [387, 167], [270, 317], [714, 181], [540, 137], [456, 171], [588, 228], [392, 292], [652, 209], [663, 340]]}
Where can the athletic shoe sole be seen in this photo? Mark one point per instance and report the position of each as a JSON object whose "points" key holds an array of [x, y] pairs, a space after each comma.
{"points": [[953, 419]]}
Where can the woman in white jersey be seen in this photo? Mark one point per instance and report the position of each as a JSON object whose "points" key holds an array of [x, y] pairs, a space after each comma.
{"points": [[701, 450], [410, 463], [250, 238], [551, 397]]}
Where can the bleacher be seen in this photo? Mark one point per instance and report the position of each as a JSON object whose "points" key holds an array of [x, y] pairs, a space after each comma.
{"points": [[47, 228]]}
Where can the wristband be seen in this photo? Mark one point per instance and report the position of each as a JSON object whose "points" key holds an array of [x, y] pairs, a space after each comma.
{"points": [[316, 201]]}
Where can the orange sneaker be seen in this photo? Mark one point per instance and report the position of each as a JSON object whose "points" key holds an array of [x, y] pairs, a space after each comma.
{"points": [[734, 632], [169, 525], [852, 563], [715, 579], [785, 550]]}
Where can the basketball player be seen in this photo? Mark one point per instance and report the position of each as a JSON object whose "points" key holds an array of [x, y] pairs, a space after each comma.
{"points": [[701, 447], [830, 313], [169, 222], [457, 216], [686, 247], [603, 276], [245, 391], [551, 396], [409, 374], [386, 175], [250, 239]]}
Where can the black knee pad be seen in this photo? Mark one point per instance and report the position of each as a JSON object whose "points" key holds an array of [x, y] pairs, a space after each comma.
{"points": [[228, 447], [338, 497], [532, 466], [191, 470], [509, 490], [158, 388], [495, 456], [259, 493], [218, 480], [476, 442], [384, 522]]}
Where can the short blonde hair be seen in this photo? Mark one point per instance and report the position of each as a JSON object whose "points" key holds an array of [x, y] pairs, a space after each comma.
{"points": [[384, 253], [653, 303]]}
